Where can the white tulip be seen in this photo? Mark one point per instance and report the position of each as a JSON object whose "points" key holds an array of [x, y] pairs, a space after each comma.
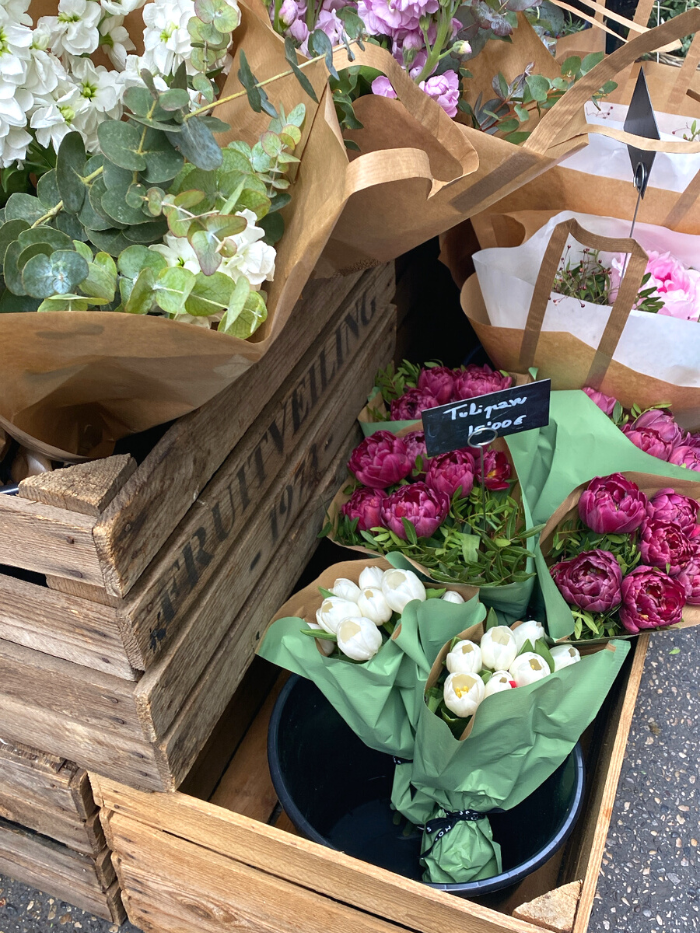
{"points": [[498, 648], [463, 693], [373, 605], [465, 658], [346, 589], [371, 576], [529, 631], [327, 646], [499, 681], [564, 655], [529, 668], [451, 596], [335, 610], [359, 639], [400, 587]]}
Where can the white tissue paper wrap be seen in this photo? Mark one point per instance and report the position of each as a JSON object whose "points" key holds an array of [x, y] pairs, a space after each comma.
{"points": [[608, 158], [655, 345]]}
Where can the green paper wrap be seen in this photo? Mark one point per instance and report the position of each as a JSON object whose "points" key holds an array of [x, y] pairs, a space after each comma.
{"points": [[377, 698]]}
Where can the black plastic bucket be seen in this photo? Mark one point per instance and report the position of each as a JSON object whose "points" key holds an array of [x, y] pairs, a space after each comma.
{"points": [[337, 792]]}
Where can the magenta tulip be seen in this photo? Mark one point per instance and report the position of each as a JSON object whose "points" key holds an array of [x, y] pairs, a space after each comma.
{"points": [[668, 506], [689, 578], [439, 382], [365, 505], [591, 580], [650, 599], [479, 380], [612, 505], [425, 508], [665, 545], [415, 445], [410, 405], [497, 470], [606, 403], [686, 456], [380, 460], [656, 433], [451, 471]]}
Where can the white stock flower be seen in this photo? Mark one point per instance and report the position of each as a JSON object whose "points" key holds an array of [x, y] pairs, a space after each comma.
{"points": [[371, 576], [465, 658], [53, 119], [373, 605], [400, 587], [529, 668], [15, 45], [498, 682], [44, 71], [452, 596], [253, 258], [564, 655], [359, 639], [463, 693], [14, 140], [530, 631], [115, 41], [121, 7], [498, 648], [97, 99], [13, 146], [74, 31], [177, 251], [17, 11], [167, 43], [346, 589], [335, 610]]}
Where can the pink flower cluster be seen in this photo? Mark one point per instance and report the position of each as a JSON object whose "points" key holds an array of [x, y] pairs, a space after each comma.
{"points": [[292, 17], [384, 459], [439, 385], [667, 534], [676, 285], [657, 433]]}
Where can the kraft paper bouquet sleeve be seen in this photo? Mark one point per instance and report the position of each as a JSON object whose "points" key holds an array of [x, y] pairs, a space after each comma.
{"points": [[376, 698]]}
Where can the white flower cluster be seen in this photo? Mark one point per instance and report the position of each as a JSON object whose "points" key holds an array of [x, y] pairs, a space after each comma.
{"points": [[49, 85], [497, 655]]}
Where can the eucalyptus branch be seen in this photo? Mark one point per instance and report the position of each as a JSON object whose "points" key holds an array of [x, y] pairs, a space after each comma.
{"points": [[57, 208]]}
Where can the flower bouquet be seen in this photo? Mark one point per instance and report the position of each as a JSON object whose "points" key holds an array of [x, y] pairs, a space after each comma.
{"points": [[624, 552]]}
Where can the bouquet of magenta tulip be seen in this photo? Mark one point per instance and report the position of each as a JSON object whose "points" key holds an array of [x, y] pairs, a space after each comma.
{"points": [[624, 552]]}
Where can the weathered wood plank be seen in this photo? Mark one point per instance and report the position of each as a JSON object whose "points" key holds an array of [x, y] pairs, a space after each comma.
{"points": [[129, 535], [207, 701], [65, 827], [85, 487], [81, 793], [48, 540], [295, 859], [64, 626], [175, 580], [164, 687]]}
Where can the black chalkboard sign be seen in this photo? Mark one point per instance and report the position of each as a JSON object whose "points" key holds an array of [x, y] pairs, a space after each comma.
{"points": [[520, 408]]}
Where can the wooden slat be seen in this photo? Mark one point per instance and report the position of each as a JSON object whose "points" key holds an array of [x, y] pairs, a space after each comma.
{"points": [[606, 780], [48, 540], [81, 793], [164, 687], [205, 704], [84, 837], [63, 626], [129, 535], [158, 605], [297, 860], [85, 487]]}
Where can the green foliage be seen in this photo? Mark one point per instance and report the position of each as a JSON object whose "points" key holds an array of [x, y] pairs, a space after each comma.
{"points": [[589, 280]]}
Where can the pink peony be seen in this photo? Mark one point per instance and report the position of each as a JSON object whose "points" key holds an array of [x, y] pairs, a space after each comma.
{"points": [[650, 599], [415, 445], [425, 508], [689, 577], [692, 440], [380, 460], [411, 405], [677, 286], [448, 472], [606, 403], [612, 505], [381, 86], [439, 382], [479, 380], [444, 89], [591, 580], [668, 506], [364, 504], [665, 545], [686, 456], [655, 432], [496, 468]]}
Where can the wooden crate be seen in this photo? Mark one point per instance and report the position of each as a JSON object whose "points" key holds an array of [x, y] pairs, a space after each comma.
{"points": [[50, 831], [224, 857], [126, 659]]}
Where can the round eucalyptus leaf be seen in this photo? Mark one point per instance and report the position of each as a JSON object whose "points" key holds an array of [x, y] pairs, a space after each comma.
{"points": [[204, 243], [10, 269], [172, 288], [24, 207], [219, 13], [138, 100], [135, 258], [115, 177], [202, 84], [210, 294], [10, 231], [163, 162], [47, 189], [174, 99], [150, 232], [70, 224], [154, 201], [120, 142], [115, 205], [251, 316], [58, 274], [110, 241], [197, 144], [70, 166], [56, 239], [271, 144], [91, 219], [35, 249], [141, 297]]}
